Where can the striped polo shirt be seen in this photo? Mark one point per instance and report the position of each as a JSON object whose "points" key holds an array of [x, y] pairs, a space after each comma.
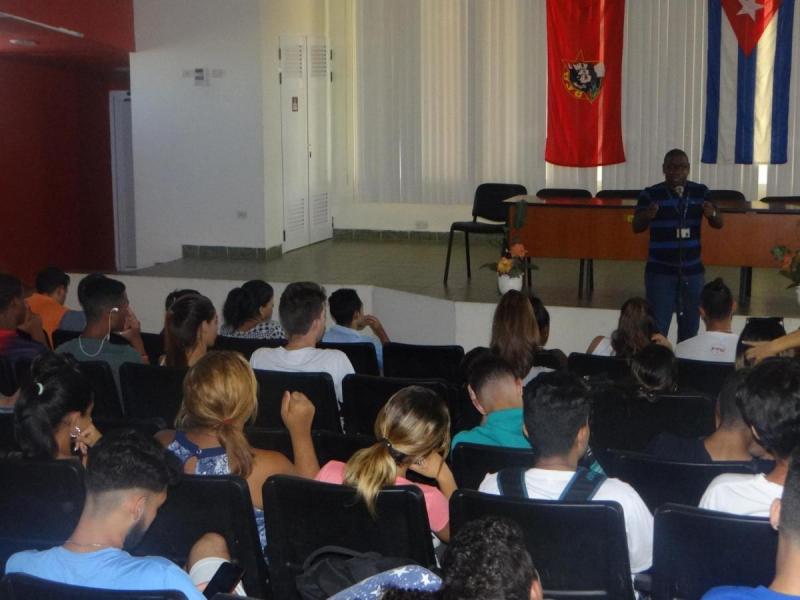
{"points": [[669, 249]]}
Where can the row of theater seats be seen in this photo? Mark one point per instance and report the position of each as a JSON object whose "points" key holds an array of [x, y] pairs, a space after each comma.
{"points": [[579, 549]]}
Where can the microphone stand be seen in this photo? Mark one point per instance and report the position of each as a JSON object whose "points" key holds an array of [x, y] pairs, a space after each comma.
{"points": [[682, 207]]}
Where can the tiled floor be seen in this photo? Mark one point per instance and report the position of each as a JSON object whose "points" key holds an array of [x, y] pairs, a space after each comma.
{"points": [[418, 267]]}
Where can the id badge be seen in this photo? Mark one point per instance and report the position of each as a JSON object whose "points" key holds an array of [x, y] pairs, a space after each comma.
{"points": [[684, 233]]}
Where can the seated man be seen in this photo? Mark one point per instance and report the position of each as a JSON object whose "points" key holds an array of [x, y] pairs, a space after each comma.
{"points": [[770, 403], [108, 312], [21, 333], [348, 312], [496, 394], [784, 515], [556, 415], [48, 301], [718, 343], [302, 313], [126, 482]]}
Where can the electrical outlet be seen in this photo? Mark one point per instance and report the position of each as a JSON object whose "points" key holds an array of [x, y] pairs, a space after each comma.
{"points": [[420, 224]]}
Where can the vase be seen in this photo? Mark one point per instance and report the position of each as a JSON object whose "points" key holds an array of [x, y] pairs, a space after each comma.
{"points": [[506, 283]]}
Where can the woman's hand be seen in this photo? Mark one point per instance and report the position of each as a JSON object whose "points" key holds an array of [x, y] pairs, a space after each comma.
{"points": [[297, 412], [659, 339], [429, 466], [758, 351], [86, 439]]}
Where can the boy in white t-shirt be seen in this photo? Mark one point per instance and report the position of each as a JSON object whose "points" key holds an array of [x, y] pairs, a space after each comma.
{"points": [[770, 403], [718, 342]]}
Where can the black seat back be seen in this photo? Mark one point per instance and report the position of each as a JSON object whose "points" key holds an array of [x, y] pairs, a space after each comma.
{"points": [[579, 549], [209, 503], [41, 504], [153, 346], [489, 202], [317, 386], [703, 376], [625, 194], [695, 550], [245, 346], [303, 515], [362, 355], [8, 379], [471, 462], [151, 392], [563, 193], [329, 445], [363, 396], [659, 482], [18, 586], [422, 362], [61, 336], [592, 365], [107, 404], [726, 196]]}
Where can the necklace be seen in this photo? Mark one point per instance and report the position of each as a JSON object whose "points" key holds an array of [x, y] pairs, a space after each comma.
{"points": [[87, 545], [86, 352]]}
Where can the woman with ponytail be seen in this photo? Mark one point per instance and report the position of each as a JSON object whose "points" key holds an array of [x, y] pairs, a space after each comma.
{"points": [[413, 433], [219, 399], [53, 415], [248, 312], [190, 329]]}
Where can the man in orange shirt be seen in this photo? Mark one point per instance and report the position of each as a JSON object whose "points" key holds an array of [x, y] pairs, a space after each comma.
{"points": [[48, 301]]}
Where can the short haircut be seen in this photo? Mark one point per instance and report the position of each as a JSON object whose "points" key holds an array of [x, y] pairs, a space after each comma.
{"points": [[100, 294], [49, 279], [125, 460], [541, 313], [84, 282], [301, 303], [790, 501], [344, 303], [716, 300], [770, 403], [655, 369], [757, 330], [555, 406], [730, 417], [486, 369], [675, 153], [10, 288], [487, 558]]}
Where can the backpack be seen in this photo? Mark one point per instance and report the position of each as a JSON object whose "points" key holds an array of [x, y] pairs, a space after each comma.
{"points": [[581, 488], [330, 569]]}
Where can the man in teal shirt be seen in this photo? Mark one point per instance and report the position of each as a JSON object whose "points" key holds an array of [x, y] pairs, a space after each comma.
{"points": [[497, 394]]}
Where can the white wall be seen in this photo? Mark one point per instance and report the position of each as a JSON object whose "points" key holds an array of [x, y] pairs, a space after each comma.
{"points": [[197, 151]]}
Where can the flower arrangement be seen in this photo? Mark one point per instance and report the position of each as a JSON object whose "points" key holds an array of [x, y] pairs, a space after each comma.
{"points": [[511, 262], [790, 264]]}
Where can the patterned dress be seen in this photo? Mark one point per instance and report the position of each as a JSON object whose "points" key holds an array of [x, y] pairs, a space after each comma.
{"points": [[266, 330]]}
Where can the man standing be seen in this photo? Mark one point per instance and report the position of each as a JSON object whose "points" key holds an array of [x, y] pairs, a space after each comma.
{"points": [[674, 211]]}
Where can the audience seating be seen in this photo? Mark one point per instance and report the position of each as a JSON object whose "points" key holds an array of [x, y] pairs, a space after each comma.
{"points": [[41, 505], [623, 194], [152, 392], [199, 504], [106, 398], [18, 586], [471, 462], [329, 445], [303, 515], [659, 482], [7, 441], [61, 336], [362, 355], [422, 362], [364, 395], [22, 371], [8, 379], [579, 549], [245, 346], [153, 346], [551, 360], [703, 376], [592, 365], [317, 386], [489, 204], [695, 550]]}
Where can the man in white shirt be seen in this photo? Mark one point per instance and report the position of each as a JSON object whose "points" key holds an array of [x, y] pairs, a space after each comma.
{"points": [[348, 312], [556, 417], [302, 314], [770, 403], [717, 343]]}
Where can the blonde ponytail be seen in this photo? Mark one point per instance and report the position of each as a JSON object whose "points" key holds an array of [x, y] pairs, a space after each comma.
{"points": [[370, 470]]}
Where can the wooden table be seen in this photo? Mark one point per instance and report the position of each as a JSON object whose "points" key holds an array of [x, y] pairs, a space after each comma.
{"points": [[600, 228]]}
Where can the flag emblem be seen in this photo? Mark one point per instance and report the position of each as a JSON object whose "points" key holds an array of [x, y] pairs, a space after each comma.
{"points": [[583, 78]]}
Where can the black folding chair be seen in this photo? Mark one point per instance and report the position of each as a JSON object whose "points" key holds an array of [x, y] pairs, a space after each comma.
{"points": [[152, 392], [623, 194], [153, 346], [245, 346], [8, 379], [317, 386], [703, 376], [61, 336], [489, 204], [199, 504], [422, 361], [362, 355], [579, 549], [695, 550], [592, 365], [18, 586], [41, 505], [328, 445], [107, 404], [303, 515], [472, 462], [563, 193]]}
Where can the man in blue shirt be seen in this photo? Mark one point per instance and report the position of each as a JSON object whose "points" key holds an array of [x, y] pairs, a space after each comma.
{"points": [[785, 518], [347, 311], [126, 482], [673, 211]]}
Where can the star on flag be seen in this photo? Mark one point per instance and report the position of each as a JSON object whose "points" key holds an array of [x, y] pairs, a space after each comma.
{"points": [[749, 19]]}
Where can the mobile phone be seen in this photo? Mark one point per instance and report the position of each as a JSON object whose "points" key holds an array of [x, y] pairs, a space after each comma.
{"points": [[224, 580]]}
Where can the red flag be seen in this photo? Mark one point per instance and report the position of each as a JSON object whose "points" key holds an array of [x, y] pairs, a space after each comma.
{"points": [[584, 80]]}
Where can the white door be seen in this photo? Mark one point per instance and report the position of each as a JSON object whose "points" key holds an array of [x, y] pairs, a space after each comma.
{"points": [[319, 156], [122, 179]]}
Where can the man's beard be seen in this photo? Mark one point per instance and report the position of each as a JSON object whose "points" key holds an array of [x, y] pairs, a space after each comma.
{"points": [[135, 535]]}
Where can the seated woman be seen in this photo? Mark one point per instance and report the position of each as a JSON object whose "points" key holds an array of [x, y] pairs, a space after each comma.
{"points": [[542, 316], [248, 312], [413, 432], [635, 330], [515, 335], [764, 335], [53, 414], [219, 399], [190, 329]]}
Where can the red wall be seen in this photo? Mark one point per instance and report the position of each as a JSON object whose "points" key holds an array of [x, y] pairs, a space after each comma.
{"points": [[55, 174]]}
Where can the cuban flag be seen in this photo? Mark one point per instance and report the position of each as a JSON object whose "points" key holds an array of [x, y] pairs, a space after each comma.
{"points": [[747, 87]]}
